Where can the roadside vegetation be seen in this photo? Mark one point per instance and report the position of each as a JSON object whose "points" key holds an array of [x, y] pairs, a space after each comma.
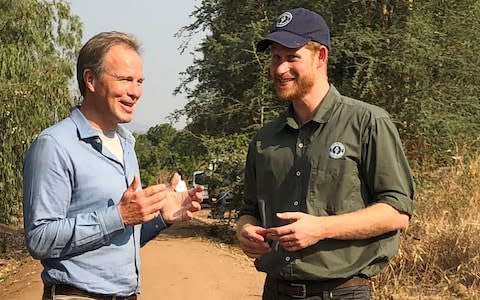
{"points": [[440, 254]]}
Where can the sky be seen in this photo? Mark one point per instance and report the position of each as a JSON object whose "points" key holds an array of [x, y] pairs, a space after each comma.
{"points": [[154, 25]]}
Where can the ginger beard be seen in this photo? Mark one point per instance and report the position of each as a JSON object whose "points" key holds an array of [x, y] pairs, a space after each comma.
{"points": [[292, 87]]}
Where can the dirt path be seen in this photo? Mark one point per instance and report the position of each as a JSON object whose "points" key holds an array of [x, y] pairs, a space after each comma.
{"points": [[180, 264]]}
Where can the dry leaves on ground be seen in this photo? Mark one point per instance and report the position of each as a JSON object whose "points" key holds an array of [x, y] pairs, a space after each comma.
{"points": [[12, 250]]}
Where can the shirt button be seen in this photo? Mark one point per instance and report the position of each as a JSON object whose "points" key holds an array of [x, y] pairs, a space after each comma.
{"points": [[287, 258], [156, 226], [298, 173], [295, 203], [300, 145]]}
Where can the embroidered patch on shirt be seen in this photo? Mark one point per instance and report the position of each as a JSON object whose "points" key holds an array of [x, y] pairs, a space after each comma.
{"points": [[337, 150]]}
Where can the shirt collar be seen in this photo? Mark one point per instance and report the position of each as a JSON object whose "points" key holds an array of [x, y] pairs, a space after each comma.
{"points": [[321, 115], [85, 130]]}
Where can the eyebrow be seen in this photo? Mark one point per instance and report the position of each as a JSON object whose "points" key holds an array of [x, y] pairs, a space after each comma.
{"points": [[123, 76]]}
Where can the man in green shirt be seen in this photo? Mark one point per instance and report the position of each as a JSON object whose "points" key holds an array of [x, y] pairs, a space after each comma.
{"points": [[327, 185]]}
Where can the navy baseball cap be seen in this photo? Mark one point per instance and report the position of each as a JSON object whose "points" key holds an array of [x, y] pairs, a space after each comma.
{"points": [[295, 28]]}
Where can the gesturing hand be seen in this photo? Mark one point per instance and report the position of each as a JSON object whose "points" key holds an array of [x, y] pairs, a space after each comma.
{"points": [[137, 207], [179, 206]]}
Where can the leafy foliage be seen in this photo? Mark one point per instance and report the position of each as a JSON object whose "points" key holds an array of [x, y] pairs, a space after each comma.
{"points": [[38, 42], [414, 64], [233, 93], [163, 150], [416, 59]]}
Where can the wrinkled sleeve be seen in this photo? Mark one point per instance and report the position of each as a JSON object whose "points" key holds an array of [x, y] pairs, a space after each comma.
{"points": [[250, 202], [49, 232], [389, 178]]}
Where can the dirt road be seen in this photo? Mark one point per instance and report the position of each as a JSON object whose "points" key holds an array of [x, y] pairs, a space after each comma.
{"points": [[179, 264]]}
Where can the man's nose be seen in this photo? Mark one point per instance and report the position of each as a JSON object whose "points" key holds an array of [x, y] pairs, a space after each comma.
{"points": [[135, 90], [282, 67]]}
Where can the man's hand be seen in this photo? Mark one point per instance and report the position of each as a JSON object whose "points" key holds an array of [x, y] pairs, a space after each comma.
{"points": [[303, 231], [179, 206], [252, 238], [137, 207]]}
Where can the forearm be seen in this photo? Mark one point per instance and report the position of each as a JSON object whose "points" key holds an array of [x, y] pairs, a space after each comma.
{"points": [[47, 238], [372, 221]]}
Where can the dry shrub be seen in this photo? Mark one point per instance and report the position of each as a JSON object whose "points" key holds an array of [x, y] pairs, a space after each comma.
{"points": [[440, 252]]}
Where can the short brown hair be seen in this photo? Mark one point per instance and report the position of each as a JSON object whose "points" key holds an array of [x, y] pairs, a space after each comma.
{"points": [[92, 53], [313, 46]]}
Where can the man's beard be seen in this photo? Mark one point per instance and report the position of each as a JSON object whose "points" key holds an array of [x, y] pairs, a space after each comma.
{"points": [[300, 87]]}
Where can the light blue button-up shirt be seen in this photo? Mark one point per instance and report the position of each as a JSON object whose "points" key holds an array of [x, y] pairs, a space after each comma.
{"points": [[72, 186]]}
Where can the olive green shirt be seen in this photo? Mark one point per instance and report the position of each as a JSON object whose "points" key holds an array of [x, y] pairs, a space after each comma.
{"points": [[347, 157]]}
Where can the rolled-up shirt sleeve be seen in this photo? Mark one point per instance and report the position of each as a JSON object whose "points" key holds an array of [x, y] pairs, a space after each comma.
{"points": [[385, 165]]}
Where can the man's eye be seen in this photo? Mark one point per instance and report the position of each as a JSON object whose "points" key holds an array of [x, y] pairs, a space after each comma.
{"points": [[276, 59]]}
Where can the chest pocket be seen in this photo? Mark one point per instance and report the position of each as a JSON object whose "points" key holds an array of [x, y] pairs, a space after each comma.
{"points": [[336, 187]]}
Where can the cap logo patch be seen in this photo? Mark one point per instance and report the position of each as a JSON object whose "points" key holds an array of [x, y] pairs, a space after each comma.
{"points": [[284, 19], [337, 150]]}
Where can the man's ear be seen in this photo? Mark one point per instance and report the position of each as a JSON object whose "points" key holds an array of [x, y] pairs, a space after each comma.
{"points": [[322, 55], [89, 78]]}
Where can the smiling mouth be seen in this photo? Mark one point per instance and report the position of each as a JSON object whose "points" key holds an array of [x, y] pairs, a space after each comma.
{"points": [[127, 106], [284, 81]]}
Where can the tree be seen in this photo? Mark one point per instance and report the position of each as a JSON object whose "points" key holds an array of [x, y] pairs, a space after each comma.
{"points": [[163, 150], [417, 59], [233, 93], [38, 44]]}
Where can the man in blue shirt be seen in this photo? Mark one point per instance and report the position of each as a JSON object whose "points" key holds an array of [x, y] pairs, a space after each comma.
{"points": [[85, 212]]}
